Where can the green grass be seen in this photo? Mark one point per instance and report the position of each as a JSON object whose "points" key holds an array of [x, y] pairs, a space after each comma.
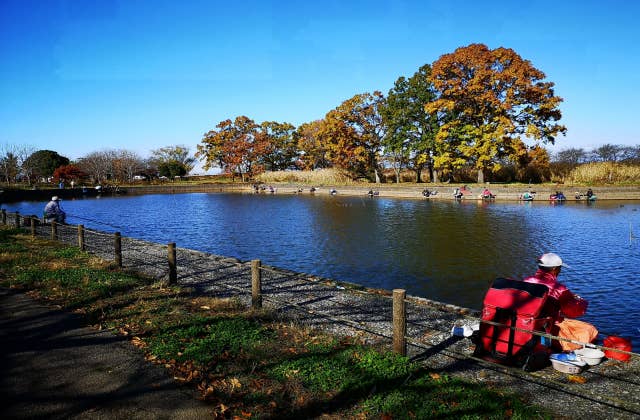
{"points": [[245, 362]]}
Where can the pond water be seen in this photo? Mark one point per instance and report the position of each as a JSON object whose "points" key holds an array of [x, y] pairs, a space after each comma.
{"points": [[443, 250]]}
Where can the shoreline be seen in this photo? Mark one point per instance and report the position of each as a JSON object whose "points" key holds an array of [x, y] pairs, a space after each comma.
{"points": [[502, 192]]}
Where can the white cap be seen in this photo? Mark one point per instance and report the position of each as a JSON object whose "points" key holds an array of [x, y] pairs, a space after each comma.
{"points": [[551, 260], [55, 198]]}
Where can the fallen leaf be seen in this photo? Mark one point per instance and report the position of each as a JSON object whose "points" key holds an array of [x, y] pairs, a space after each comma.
{"points": [[235, 383], [577, 379]]}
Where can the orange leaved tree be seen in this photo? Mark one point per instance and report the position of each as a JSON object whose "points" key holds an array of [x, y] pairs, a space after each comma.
{"points": [[352, 134], [236, 147], [490, 101]]}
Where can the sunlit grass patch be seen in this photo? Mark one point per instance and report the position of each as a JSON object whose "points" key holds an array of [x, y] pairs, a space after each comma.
{"points": [[342, 368], [205, 339]]}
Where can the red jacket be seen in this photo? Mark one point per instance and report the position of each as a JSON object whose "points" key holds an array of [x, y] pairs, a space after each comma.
{"points": [[562, 302]]}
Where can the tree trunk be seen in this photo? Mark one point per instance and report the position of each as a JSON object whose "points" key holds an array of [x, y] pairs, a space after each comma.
{"points": [[436, 176], [480, 176], [377, 175], [418, 175]]}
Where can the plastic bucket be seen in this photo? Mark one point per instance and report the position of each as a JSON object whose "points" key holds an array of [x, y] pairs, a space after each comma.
{"points": [[617, 343]]}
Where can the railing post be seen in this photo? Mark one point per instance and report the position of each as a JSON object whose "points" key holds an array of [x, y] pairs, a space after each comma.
{"points": [[33, 220], [4, 217], [54, 230], [117, 248], [256, 284], [173, 270], [17, 219], [81, 237], [399, 322]]}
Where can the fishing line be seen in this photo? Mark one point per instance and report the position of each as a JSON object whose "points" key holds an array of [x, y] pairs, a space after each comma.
{"points": [[119, 228]]}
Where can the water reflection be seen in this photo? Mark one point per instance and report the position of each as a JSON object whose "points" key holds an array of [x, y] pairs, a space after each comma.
{"points": [[443, 250]]}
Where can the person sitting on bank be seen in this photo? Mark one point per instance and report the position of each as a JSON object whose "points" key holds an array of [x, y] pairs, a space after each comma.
{"points": [[589, 193], [561, 303], [53, 212], [558, 196], [486, 193]]}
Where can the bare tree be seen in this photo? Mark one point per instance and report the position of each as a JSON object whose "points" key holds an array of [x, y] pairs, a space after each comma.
{"points": [[607, 153], [126, 164], [99, 165], [9, 165], [571, 156]]}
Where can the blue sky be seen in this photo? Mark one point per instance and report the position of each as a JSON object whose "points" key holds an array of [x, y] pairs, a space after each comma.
{"points": [[78, 76]]}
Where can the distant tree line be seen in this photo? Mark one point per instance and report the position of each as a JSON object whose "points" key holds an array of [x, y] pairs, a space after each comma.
{"points": [[23, 164], [475, 114]]}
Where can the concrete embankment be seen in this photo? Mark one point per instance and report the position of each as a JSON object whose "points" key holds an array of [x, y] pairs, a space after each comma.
{"points": [[503, 192]]}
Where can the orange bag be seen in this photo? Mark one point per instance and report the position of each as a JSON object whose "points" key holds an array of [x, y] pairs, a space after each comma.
{"points": [[575, 330]]}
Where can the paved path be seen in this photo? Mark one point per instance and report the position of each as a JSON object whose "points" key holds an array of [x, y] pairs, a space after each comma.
{"points": [[54, 368]]}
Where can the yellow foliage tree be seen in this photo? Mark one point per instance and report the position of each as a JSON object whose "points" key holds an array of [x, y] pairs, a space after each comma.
{"points": [[489, 102]]}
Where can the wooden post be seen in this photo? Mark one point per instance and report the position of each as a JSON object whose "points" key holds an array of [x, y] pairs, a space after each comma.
{"points": [[81, 237], [54, 230], [173, 270], [33, 221], [117, 247], [256, 284], [4, 217], [399, 322], [17, 219]]}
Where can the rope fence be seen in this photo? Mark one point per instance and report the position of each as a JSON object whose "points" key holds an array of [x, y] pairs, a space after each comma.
{"points": [[393, 317]]}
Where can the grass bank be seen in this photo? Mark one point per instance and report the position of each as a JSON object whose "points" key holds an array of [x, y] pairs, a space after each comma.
{"points": [[246, 364]]}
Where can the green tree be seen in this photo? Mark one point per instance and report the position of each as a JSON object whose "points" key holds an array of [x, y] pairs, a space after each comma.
{"points": [[489, 102], [175, 159], [410, 130], [43, 163], [281, 150]]}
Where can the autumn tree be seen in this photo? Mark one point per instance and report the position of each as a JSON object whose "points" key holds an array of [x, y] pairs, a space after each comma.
{"points": [[489, 101], [69, 172], [312, 151], [410, 130], [535, 165], [352, 134], [235, 147], [280, 149]]}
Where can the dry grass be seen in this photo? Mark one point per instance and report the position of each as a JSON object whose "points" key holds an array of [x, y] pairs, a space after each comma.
{"points": [[318, 177], [604, 173]]}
